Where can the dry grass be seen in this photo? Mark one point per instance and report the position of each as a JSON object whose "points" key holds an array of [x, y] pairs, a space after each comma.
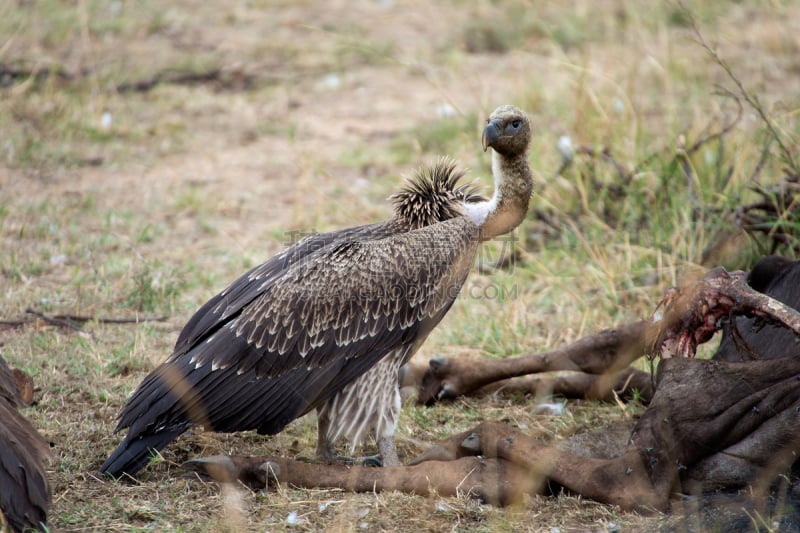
{"points": [[121, 203]]}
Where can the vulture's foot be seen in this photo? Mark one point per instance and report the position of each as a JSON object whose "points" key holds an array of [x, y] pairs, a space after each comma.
{"points": [[346, 460], [326, 453], [370, 460], [256, 473], [329, 456], [388, 452]]}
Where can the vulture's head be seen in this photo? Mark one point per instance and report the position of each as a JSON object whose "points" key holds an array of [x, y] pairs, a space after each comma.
{"points": [[508, 131]]}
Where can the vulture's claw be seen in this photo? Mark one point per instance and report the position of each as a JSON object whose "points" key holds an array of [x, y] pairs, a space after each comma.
{"points": [[337, 459], [370, 460]]}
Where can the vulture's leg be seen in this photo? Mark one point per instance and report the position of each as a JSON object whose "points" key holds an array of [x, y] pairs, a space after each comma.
{"points": [[326, 448], [326, 451], [388, 452], [386, 430], [367, 406]]}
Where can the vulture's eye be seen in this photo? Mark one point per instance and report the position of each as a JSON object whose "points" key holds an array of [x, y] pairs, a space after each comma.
{"points": [[515, 124]]}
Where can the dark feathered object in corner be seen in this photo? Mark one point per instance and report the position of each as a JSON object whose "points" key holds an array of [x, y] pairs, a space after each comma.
{"points": [[24, 491]]}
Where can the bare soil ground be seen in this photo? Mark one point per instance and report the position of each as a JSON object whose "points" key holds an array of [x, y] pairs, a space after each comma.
{"points": [[126, 200]]}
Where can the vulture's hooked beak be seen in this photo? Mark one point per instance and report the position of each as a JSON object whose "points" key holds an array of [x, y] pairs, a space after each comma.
{"points": [[490, 134]]}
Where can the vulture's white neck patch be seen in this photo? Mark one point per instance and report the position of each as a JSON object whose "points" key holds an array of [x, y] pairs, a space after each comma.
{"points": [[478, 212]]}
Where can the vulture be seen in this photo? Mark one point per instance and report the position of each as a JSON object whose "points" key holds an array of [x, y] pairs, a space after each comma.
{"points": [[24, 491], [326, 324]]}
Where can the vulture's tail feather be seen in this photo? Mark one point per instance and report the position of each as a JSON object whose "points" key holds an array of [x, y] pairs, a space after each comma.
{"points": [[131, 455]]}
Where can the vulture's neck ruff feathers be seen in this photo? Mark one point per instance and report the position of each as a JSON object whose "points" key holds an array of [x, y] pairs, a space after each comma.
{"points": [[434, 195]]}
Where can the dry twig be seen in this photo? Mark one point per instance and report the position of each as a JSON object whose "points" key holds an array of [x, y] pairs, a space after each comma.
{"points": [[74, 322], [751, 99]]}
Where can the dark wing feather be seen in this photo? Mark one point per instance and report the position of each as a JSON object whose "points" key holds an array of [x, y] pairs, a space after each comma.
{"points": [[228, 303], [24, 491], [304, 332]]}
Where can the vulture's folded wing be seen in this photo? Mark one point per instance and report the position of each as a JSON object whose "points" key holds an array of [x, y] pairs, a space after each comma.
{"points": [[311, 329]]}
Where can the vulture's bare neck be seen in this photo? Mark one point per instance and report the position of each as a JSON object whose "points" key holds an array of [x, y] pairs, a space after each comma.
{"points": [[513, 186]]}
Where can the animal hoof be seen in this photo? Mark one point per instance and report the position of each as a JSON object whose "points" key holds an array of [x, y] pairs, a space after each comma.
{"points": [[434, 453], [472, 443], [447, 392], [217, 467], [437, 363], [271, 472]]}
